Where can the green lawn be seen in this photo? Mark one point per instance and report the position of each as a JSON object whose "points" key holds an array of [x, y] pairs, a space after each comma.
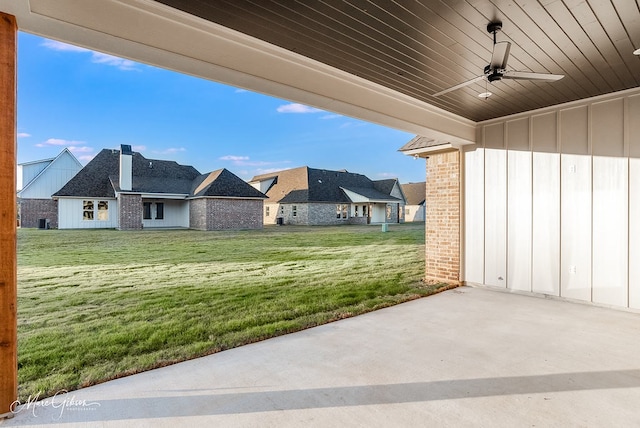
{"points": [[99, 304]]}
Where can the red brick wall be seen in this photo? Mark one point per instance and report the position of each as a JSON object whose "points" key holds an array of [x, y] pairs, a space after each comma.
{"points": [[442, 224], [32, 210]]}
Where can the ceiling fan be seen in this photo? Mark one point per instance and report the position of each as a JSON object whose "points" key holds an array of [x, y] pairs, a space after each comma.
{"points": [[497, 69]]}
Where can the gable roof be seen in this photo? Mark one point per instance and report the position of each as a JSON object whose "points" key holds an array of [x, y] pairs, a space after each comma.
{"points": [[386, 185], [46, 164], [304, 185], [415, 193], [223, 183], [100, 179]]}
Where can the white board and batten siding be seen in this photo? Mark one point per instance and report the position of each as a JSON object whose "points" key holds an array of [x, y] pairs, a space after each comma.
{"points": [[176, 214], [70, 214], [43, 179], [552, 202]]}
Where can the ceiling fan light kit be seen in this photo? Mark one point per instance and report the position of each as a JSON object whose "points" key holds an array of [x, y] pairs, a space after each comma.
{"points": [[497, 69]]}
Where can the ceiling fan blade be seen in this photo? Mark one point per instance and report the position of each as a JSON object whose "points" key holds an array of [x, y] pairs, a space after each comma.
{"points": [[500, 55], [461, 85], [525, 75]]}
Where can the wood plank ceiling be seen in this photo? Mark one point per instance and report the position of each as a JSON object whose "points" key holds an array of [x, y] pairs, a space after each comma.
{"points": [[419, 47]]}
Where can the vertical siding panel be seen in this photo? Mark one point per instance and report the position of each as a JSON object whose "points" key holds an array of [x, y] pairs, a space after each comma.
{"points": [[610, 230], [608, 128], [633, 114], [576, 227], [634, 233], [474, 216], [546, 223], [519, 220], [495, 247]]}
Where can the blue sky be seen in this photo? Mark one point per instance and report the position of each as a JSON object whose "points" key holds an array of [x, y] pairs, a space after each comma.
{"points": [[87, 101]]}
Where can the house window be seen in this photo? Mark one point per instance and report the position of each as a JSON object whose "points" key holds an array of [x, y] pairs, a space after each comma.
{"points": [[407, 211], [103, 210], [341, 210], [356, 211], [294, 210], [146, 210], [160, 211], [87, 210], [266, 211], [364, 211], [281, 210], [388, 212]]}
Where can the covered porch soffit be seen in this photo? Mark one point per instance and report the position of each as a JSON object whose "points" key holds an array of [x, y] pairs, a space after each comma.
{"points": [[152, 33]]}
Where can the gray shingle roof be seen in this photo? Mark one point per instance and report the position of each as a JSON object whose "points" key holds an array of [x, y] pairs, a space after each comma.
{"points": [[304, 184], [100, 179], [419, 142], [373, 194], [415, 192], [385, 186], [223, 183]]}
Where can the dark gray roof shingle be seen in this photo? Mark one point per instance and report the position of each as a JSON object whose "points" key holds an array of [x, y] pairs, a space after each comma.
{"points": [[223, 183], [304, 184], [100, 179]]}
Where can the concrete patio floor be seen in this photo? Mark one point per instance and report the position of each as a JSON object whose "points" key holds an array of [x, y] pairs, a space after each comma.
{"points": [[465, 357]]}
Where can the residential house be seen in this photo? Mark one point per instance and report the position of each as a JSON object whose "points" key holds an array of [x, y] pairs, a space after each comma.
{"points": [[125, 190], [36, 182], [415, 193], [309, 196]]}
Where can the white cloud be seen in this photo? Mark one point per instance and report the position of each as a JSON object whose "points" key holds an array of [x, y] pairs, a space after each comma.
{"points": [[60, 142], [331, 116], [297, 108], [63, 47], [96, 57], [23, 135], [122, 64], [86, 158], [139, 148], [240, 91], [82, 149], [261, 171], [170, 151], [234, 158]]}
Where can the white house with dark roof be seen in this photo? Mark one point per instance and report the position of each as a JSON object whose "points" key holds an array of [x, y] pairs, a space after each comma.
{"points": [[36, 181], [125, 190], [310, 196]]}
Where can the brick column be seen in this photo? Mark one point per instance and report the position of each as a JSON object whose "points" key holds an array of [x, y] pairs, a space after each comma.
{"points": [[8, 217], [130, 212], [442, 223]]}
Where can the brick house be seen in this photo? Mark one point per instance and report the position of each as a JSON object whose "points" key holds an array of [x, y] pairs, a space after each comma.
{"points": [[37, 181], [309, 196], [415, 194], [125, 190]]}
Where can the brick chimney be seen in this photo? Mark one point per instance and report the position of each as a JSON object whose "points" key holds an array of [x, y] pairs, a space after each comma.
{"points": [[126, 166]]}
